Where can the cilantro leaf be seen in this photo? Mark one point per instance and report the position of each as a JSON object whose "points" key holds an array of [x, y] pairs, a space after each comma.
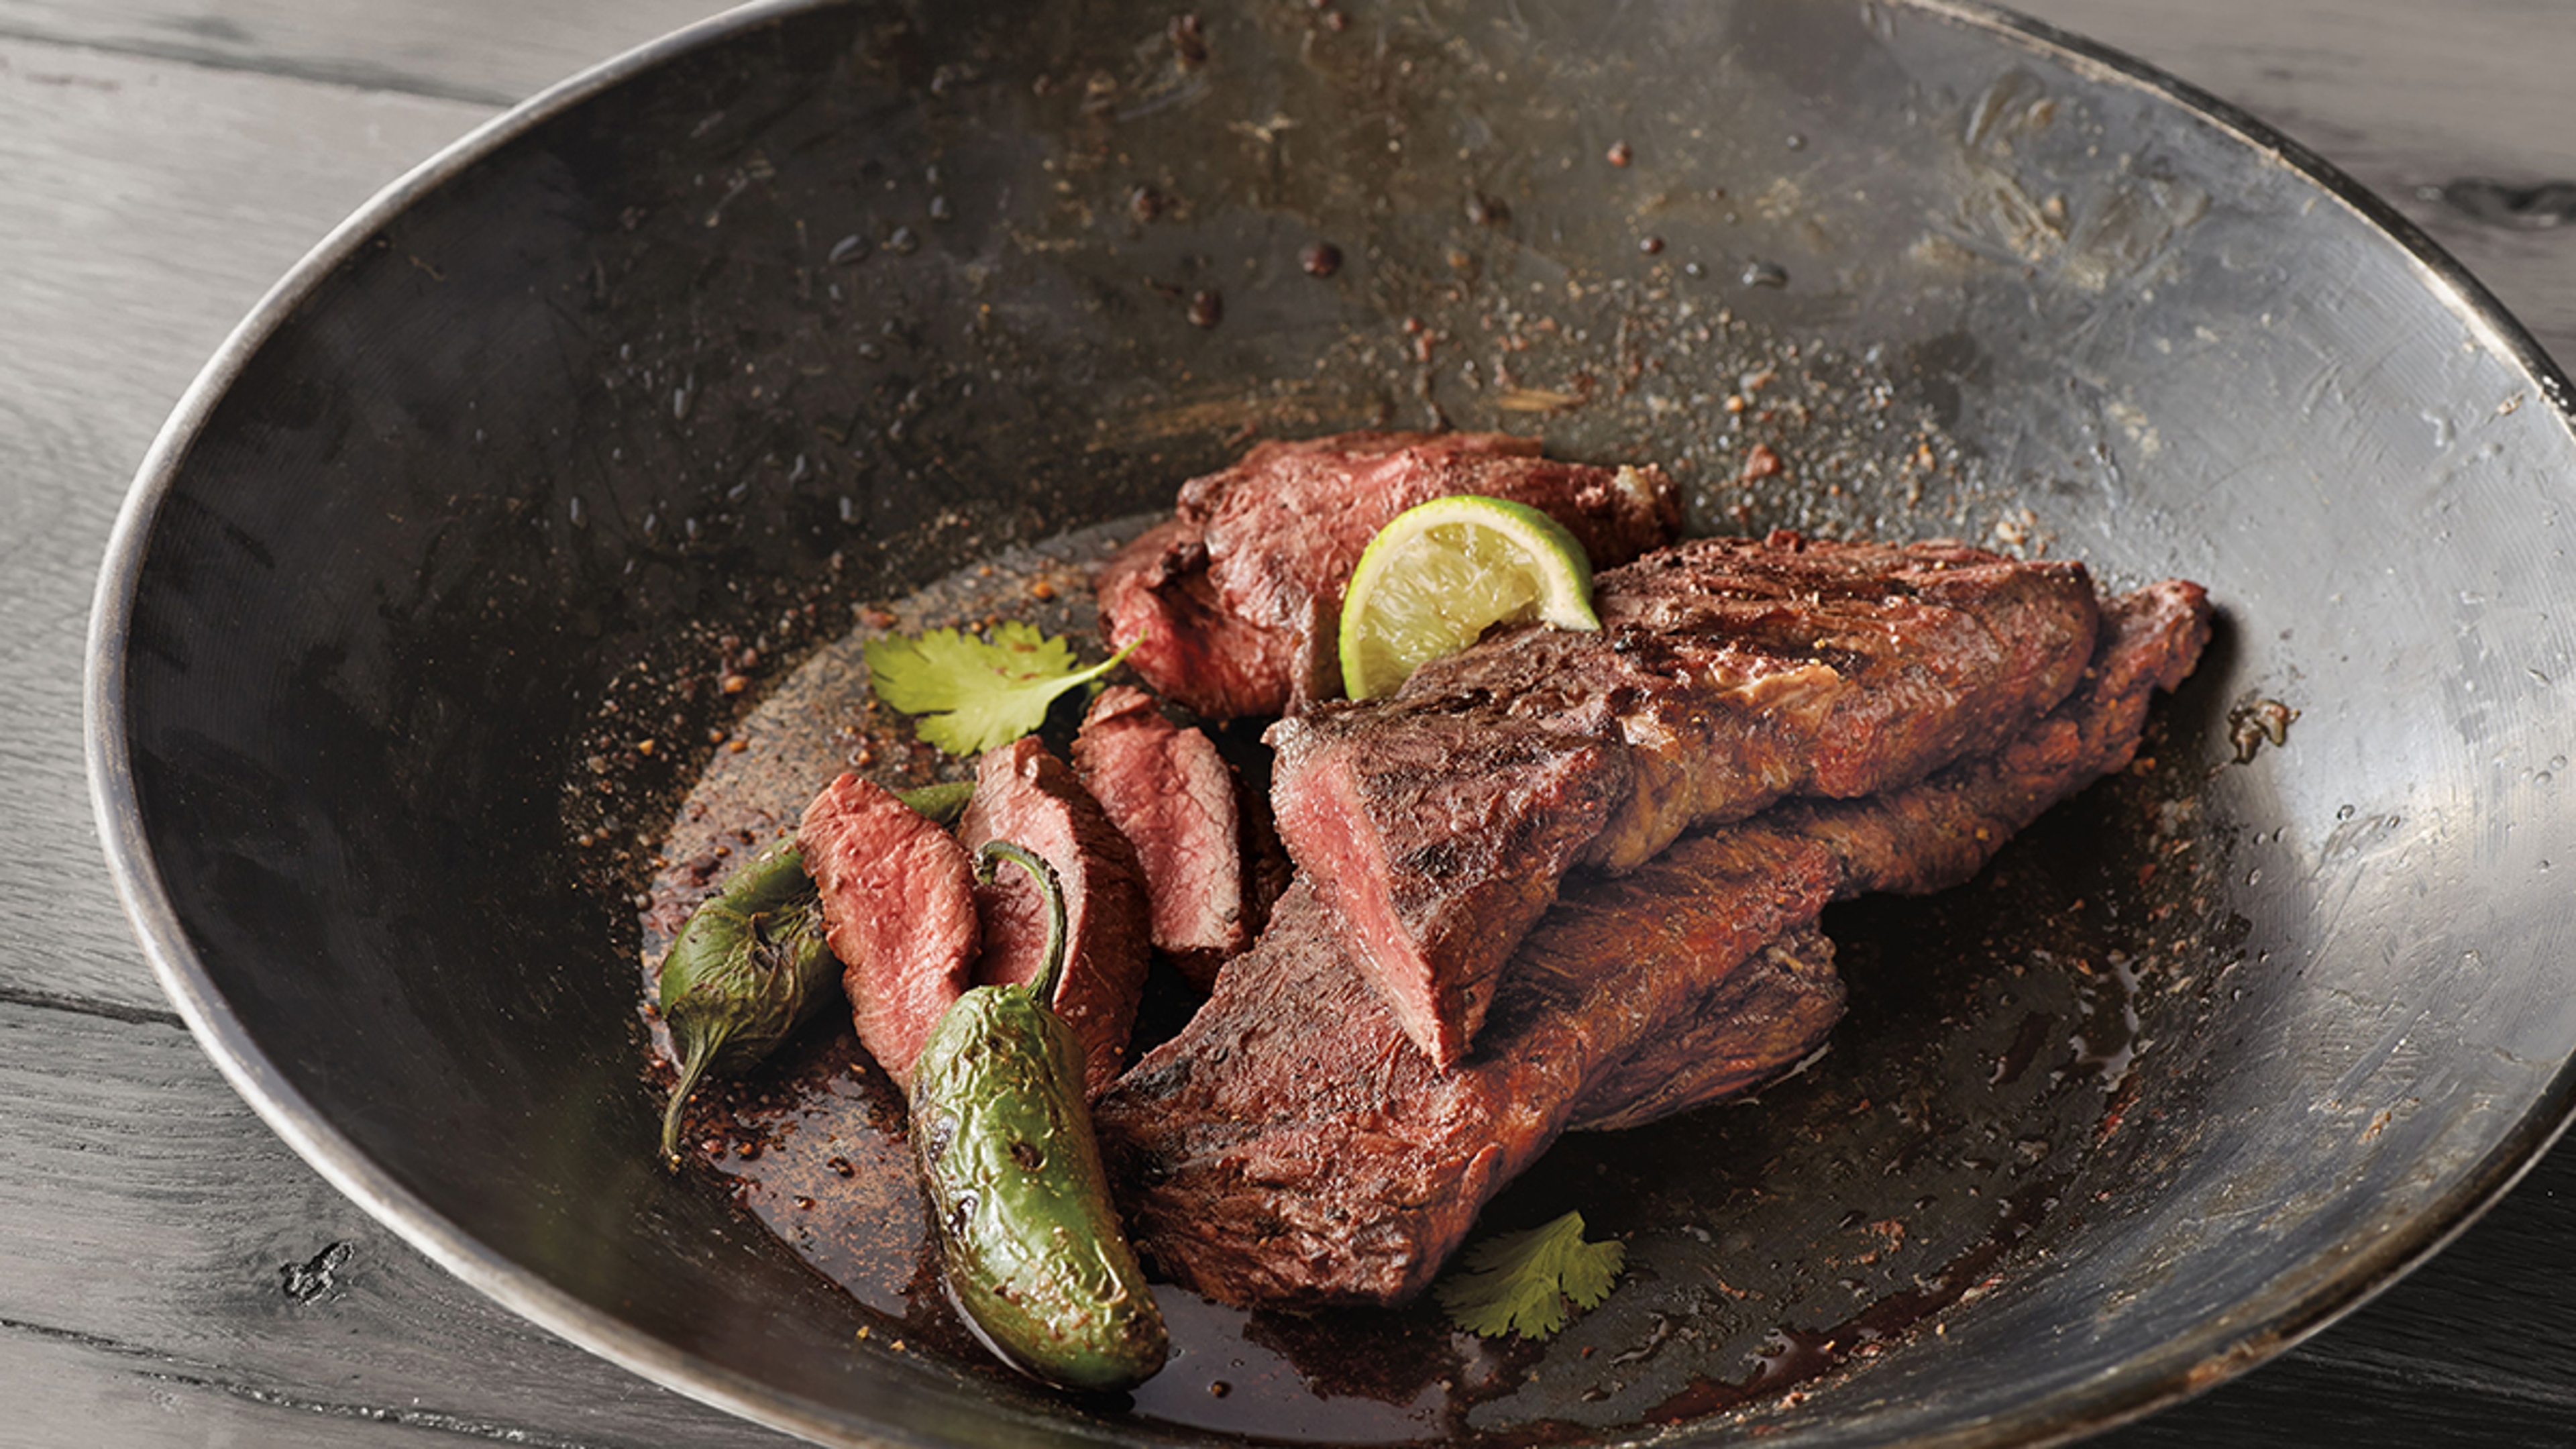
{"points": [[1521, 1282], [973, 694]]}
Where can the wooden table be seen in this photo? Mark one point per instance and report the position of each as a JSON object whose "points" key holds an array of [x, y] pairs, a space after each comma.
{"points": [[171, 1274]]}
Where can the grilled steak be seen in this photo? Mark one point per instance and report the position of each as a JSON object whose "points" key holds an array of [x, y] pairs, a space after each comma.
{"points": [[1290, 1147], [1025, 794], [1238, 597], [1173, 796], [1757, 1022], [1437, 825], [898, 909]]}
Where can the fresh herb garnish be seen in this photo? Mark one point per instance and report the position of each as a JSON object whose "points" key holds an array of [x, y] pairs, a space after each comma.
{"points": [[972, 694], [1521, 1282]]}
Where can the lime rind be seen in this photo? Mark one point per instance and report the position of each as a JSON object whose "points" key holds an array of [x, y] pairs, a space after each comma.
{"points": [[1439, 575]]}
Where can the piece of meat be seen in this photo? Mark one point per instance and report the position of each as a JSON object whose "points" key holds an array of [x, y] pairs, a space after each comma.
{"points": [[1173, 796], [1238, 597], [1026, 795], [1289, 1147], [1267, 870], [1156, 593], [1914, 842], [899, 911], [1727, 674], [1756, 1023]]}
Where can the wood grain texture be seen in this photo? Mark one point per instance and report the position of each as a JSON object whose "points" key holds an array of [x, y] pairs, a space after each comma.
{"points": [[163, 1240], [168, 159], [493, 52]]}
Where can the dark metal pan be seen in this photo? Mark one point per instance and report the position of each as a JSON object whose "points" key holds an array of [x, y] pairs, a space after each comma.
{"points": [[812, 305]]}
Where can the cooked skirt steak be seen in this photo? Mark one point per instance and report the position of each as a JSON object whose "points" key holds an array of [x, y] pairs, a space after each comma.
{"points": [[1728, 673], [1173, 796], [1236, 600], [898, 910], [1291, 1147], [1757, 1022], [1025, 794]]}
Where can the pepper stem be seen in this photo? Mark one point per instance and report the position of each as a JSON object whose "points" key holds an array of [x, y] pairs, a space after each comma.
{"points": [[693, 1065], [1051, 969]]}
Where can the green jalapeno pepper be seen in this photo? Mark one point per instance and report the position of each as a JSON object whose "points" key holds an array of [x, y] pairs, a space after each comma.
{"points": [[1032, 1243]]}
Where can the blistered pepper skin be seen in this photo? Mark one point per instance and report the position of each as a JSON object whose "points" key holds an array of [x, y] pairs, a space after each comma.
{"points": [[1033, 1246], [751, 966], [748, 969]]}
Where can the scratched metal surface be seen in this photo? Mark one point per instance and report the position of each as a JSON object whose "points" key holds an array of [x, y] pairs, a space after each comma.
{"points": [[2072, 297]]}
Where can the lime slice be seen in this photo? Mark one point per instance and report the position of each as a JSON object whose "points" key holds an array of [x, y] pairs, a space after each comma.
{"points": [[1442, 573]]}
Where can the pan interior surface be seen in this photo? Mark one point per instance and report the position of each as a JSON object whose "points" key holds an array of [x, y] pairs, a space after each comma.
{"points": [[424, 633]]}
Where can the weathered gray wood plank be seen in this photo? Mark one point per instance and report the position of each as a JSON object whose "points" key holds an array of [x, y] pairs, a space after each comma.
{"points": [[2404, 97], [488, 51], [165, 1249]]}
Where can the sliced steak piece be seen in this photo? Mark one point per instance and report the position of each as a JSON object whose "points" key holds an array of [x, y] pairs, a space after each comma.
{"points": [[1027, 795], [1173, 796], [1727, 674], [1435, 846], [898, 909], [1756, 1023], [1290, 1147], [1156, 591], [1238, 597]]}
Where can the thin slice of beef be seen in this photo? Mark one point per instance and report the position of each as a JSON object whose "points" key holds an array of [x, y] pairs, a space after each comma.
{"points": [[1237, 599], [1173, 796], [898, 910], [1025, 794], [1290, 1147], [1727, 674], [1756, 1023]]}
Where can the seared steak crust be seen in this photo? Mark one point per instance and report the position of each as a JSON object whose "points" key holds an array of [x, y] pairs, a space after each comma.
{"points": [[1238, 597], [1727, 674], [1290, 1147], [1025, 794], [1757, 1022]]}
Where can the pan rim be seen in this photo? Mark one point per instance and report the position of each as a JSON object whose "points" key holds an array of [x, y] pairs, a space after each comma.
{"points": [[2264, 1327]]}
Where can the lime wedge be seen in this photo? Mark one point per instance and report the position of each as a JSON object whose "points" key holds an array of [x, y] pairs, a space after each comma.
{"points": [[1440, 574]]}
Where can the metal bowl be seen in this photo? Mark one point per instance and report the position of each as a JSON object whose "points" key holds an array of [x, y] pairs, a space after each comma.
{"points": [[810, 305]]}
